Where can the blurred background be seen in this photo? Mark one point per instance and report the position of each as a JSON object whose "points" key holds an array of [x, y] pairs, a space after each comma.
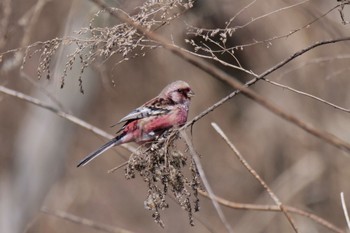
{"points": [[39, 150]]}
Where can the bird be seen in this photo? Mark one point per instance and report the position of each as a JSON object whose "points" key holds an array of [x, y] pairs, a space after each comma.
{"points": [[146, 123]]}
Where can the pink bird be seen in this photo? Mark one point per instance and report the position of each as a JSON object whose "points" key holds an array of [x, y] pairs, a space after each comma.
{"points": [[167, 110]]}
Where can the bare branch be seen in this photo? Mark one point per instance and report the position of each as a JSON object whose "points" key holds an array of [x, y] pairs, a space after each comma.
{"points": [[84, 221], [341, 11], [255, 174], [205, 181], [307, 94], [239, 12], [290, 209], [270, 13], [62, 114]]}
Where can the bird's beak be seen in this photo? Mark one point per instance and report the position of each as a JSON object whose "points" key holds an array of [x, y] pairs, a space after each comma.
{"points": [[190, 94]]}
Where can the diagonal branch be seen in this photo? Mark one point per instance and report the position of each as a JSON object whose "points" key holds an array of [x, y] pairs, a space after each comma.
{"points": [[307, 95], [205, 181], [289, 209], [255, 174], [62, 114], [84, 221]]}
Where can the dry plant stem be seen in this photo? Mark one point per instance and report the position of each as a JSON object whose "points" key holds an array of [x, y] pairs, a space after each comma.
{"points": [[117, 167], [270, 13], [290, 209], [221, 75], [62, 114], [239, 12], [205, 181], [83, 221], [307, 94], [255, 174], [345, 210]]}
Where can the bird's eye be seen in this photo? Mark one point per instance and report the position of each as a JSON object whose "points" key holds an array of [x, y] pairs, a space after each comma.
{"points": [[179, 90]]}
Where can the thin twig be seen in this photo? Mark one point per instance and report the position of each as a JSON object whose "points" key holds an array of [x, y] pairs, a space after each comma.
{"points": [[307, 94], [255, 174], [117, 167], [341, 9], [290, 209], [205, 181], [269, 40], [345, 210], [238, 13], [270, 13], [312, 61], [84, 221]]}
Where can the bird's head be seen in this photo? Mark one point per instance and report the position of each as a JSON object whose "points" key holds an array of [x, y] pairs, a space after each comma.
{"points": [[179, 92]]}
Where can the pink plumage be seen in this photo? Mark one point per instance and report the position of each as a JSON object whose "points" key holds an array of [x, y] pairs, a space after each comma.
{"points": [[167, 110]]}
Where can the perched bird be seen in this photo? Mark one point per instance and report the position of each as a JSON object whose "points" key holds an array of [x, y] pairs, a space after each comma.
{"points": [[167, 110]]}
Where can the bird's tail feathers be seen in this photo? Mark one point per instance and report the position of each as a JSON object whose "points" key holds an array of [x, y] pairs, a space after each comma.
{"points": [[114, 142]]}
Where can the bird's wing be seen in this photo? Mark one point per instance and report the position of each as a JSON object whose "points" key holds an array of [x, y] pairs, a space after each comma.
{"points": [[142, 112], [153, 107]]}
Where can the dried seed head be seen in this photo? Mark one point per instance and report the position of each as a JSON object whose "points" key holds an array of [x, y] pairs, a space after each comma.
{"points": [[163, 167]]}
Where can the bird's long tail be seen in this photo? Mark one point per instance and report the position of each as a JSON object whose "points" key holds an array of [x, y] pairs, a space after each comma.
{"points": [[114, 142]]}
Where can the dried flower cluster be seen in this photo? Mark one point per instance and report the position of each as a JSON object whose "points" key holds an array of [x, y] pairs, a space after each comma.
{"points": [[213, 44], [98, 42], [161, 165]]}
